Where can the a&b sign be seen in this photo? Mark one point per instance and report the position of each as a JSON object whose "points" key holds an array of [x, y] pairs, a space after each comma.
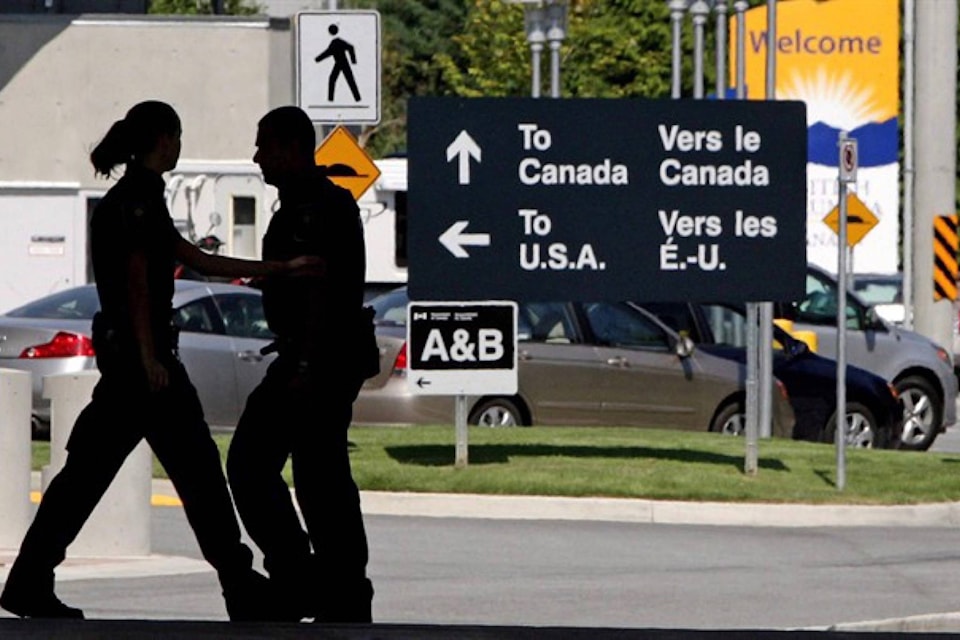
{"points": [[462, 348]]}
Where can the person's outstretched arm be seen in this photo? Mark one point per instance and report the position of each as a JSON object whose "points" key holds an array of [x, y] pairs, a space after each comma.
{"points": [[213, 265]]}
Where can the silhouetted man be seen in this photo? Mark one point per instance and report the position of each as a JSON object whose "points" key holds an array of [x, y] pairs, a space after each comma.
{"points": [[303, 407]]}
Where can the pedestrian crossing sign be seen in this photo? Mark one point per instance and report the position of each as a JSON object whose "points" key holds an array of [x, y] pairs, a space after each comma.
{"points": [[338, 66]]}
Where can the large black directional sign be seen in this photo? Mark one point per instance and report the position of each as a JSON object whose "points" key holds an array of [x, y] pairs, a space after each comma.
{"points": [[537, 199], [462, 348]]}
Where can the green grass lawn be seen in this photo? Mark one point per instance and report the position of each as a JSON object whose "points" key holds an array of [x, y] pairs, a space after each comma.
{"points": [[634, 463]]}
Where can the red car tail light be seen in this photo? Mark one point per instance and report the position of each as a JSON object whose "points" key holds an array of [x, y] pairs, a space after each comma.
{"points": [[400, 364], [63, 345]]}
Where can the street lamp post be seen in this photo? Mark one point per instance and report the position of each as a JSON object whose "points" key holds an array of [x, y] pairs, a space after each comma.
{"points": [[533, 21], [677, 9], [720, 6], [740, 6], [699, 10], [544, 21], [556, 31]]}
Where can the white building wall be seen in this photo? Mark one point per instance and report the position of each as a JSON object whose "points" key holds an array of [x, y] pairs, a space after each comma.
{"points": [[42, 240], [65, 79]]}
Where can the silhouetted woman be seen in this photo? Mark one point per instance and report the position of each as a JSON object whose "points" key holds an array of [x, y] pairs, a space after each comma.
{"points": [[144, 391]]}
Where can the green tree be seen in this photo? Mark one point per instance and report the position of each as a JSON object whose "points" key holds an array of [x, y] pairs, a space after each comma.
{"points": [[199, 7], [613, 48]]}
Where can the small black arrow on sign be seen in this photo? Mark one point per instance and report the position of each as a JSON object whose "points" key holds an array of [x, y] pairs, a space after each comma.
{"points": [[421, 382]]}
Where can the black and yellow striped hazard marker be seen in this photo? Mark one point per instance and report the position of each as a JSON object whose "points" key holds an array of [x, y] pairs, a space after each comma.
{"points": [[945, 247]]}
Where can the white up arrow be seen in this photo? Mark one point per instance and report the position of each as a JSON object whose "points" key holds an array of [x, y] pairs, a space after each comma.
{"points": [[455, 240], [463, 148]]}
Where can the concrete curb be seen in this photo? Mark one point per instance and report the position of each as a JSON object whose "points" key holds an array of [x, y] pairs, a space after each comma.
{"points": [[450, 505], [657, 512], [928, 623]]}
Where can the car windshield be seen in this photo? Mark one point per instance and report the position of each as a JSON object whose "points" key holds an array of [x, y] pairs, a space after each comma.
{"points": [[73, 304], [391, 308], [878, 291]]}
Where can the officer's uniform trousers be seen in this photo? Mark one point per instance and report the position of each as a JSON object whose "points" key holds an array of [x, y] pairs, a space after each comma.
{"points": [[304, 417], [121, 412]]}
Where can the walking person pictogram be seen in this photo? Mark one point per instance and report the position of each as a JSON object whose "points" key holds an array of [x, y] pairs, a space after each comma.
{"points": [[343, 55]]}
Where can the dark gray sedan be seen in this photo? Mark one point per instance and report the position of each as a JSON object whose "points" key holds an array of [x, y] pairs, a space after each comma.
{"points": [[222, 331]]}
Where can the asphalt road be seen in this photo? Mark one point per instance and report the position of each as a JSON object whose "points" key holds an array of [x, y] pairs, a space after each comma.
{"points": [[462, 571]]}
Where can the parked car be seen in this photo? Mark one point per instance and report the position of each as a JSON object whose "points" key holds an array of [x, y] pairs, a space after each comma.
{"points": [[920, 369], [884, 293], [873, 412], [578, 364], [222, 331]]}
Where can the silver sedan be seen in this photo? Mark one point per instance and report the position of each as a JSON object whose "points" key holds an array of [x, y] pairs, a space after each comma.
{"points": [[222, 331]]}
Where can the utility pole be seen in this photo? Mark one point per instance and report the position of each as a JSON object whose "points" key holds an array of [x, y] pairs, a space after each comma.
{"points": [[934, 179]]}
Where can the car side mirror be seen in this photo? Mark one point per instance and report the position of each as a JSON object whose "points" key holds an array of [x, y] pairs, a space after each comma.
{"points": [[684, 347], [874, 321]]}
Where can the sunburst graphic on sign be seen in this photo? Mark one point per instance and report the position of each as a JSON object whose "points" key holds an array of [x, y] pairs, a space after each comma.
{"points": [[837, 98]]}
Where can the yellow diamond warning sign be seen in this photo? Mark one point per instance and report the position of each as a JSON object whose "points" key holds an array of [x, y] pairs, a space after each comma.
{"points": [[860, 220], [348, 164]]}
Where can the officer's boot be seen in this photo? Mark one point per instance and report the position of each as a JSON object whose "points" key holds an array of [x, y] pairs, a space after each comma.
{"points": [[347, 602], [294, 583], [30, 595], [249, 596]]}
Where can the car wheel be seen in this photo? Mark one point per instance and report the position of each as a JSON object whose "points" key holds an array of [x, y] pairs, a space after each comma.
{"points": [[922, 413], [731, 420], [862, 430], [496, 412]]}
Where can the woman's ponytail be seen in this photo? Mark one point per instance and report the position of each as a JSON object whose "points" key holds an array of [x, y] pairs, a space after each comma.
{"points": [[135, 136], [113, 150]]}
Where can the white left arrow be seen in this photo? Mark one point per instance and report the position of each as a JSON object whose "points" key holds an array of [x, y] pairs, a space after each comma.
{"points": [[454, 239], [463, 148]]}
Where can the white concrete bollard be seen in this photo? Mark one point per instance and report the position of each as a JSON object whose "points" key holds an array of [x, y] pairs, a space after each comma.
{"points": [[15, 456], [120, 524]]}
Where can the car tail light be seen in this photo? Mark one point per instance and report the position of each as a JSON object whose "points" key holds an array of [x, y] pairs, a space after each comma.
{"points": [[63, 345], [893, 391], [400, 364], [943, 355]]}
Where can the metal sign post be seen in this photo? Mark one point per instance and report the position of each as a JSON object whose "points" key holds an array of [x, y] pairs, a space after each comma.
{"points": [[847, 174], [460, 432]]}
